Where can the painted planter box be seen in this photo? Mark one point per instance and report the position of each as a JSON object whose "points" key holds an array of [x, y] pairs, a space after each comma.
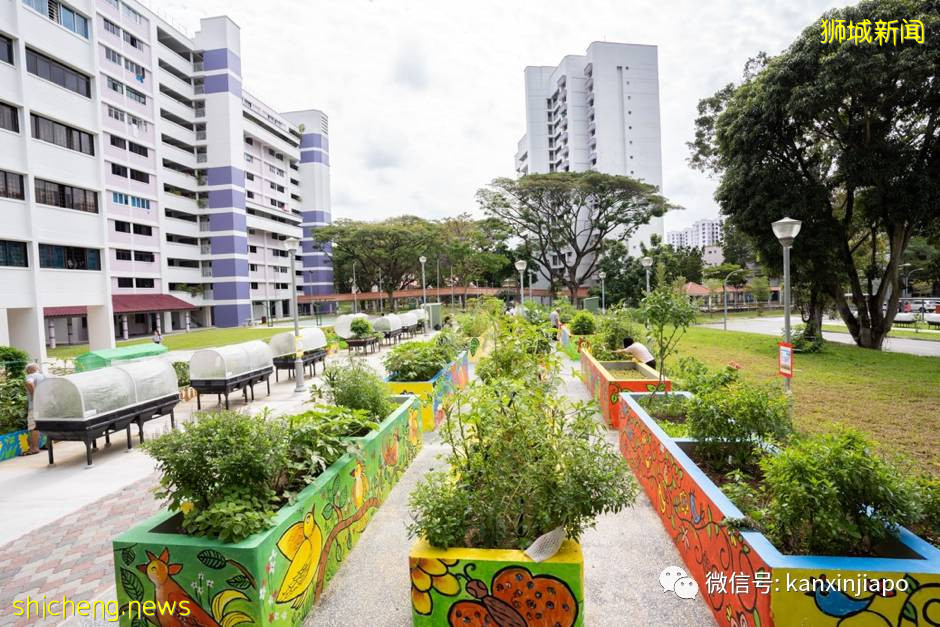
{"points": [[495, 587], [16, 443], [774, 589], [606, 387], [433, 393], [273, 577]]}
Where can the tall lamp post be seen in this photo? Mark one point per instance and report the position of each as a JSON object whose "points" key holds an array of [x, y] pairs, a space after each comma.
{"points": [[424, 287], [724, 293], [291, 244], [647, 263], [355, 299], [532, 276], [603, 275], [786, 231], [520, 266]]}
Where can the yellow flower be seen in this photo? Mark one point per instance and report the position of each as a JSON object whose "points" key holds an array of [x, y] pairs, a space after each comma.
{"points": [[187, 506], [427, 574]]}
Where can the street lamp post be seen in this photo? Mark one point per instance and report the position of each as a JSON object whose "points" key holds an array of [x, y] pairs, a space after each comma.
{"points": [[355, 299], [647, 262], [786, 231], [532, 275], [603, 275], [520, 266], [724, 293], [424, 287], [291, 245]]}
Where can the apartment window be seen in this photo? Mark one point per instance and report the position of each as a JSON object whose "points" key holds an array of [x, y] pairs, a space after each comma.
{"points": [[13, 254], [136, 121], [133, 41], [118, 142], [277, 203], [131, 14], [136, 96], [143, 177], [122, 254], [252, 249], [139, 203], [144, 282], [69, 257], [271, 151], [11, 185], [112, 55], [137, 149], [112, 28], [252, 267], [9, 117], [254, 285], [143, 255], [249, 158], [249, 176], [249, 141], [122, 227], [124, 281], [119, 170], [51, 70], [6, 49], [114, 85], [279, 188], [250, 195], [138, 70], [113, 3], [61, 14], [115, 114], [143, 229], [119, 198], [59, 195], [61, 135]]}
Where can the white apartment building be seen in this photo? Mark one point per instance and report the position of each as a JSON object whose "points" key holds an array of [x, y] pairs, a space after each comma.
{"points": [[141, 186], [597, 111], [702, 233]]}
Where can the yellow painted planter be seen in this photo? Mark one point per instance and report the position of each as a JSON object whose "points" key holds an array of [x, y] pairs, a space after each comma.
{"points": [[458, 585], [433, 393]]}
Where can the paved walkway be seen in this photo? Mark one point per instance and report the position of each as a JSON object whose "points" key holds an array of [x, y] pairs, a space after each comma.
{"points": [[774, 326]]}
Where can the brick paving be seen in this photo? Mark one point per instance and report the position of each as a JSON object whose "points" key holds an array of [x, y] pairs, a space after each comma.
{"points": [[71, 556]]}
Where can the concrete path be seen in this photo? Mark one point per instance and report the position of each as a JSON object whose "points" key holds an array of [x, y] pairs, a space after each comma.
{"points": [[774, 326], [623, 557]]}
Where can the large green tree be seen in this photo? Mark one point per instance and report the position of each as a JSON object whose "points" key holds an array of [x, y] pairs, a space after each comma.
{"points": [[625, 277], [844, 136], [567, 217]]}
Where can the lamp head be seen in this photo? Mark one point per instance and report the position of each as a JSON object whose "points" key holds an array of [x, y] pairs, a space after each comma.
{"points": [[786, 230], [646, 262], [422, 259], [602, 275], [291, 243], [521, 265]]}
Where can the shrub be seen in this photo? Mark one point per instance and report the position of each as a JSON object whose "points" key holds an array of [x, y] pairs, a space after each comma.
{"points": [[523, 462], [618, 323], [731, 423], [472, 325], [804, 340], [415, 361], [694, 376], [452, 343], [361, 327], [830, 494], [668, 314], [13, 361], [182, 373], [13, 403], [566, 311], [582, 323], [355, 386], [927, 499]]}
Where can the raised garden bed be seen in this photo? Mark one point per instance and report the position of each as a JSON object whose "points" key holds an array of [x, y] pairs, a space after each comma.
{"points": [[460, 586], [273, 577], [605, 387], [772, 586], [16, 443], [433, 392]]}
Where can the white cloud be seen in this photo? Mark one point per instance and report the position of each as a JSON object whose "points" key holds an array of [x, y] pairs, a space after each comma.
{"points": [[425, 98]]}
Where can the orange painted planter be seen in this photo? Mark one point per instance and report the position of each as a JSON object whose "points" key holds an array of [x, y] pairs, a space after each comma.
{"points": [[606, 388]]}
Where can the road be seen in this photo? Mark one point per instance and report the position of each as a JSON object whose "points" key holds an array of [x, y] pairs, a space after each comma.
{"points": [[774, 326]]}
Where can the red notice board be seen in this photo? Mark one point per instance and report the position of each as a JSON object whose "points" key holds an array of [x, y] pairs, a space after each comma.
{"points": [[785, 359]]}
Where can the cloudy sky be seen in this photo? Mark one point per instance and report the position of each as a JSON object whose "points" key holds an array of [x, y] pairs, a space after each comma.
{"points": [[425, 97]]}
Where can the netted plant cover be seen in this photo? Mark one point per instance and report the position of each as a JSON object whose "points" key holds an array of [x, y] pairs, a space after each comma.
{"points": [[85, 394], [420, 313], [343, 323], [408, 319], [259, 354], [934, 318], [314, 338], [153, 378], [391, 322], [282, 344], [219, 363]]}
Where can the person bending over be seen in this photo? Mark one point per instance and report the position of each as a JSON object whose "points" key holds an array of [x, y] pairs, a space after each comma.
{"points": [[637, 351]]}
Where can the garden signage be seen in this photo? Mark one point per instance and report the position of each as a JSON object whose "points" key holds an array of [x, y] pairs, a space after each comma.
{"points": [[785, 359]]}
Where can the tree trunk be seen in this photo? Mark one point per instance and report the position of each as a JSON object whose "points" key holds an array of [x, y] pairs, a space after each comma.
{"points": [[572, 284], [391, 300]]}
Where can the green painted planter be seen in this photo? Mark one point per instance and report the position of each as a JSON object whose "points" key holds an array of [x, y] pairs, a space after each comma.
{"points": [[277, 576]]}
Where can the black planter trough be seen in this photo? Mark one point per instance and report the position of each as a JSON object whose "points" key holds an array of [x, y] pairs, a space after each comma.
{"points": [[225, 369]]}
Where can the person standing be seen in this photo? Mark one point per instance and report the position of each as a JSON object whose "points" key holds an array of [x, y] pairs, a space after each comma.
{"points": [[34, 377], [157, 338], [554, 318]]}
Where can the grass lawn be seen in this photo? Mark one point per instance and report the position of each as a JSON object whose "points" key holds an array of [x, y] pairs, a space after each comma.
{"points": [[718, 316], [193, 340], [895, 332], [893, 397]]}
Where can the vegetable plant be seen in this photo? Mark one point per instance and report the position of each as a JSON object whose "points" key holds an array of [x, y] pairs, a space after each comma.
{"points": [[13, 404], [361, 328], [182, 373], [416, 361], [668, 314], [355, 385], [582, 323], [13, 362]]}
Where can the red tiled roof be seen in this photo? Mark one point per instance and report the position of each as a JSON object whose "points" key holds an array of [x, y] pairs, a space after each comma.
{"points": [[126, 303], [694, 289]]}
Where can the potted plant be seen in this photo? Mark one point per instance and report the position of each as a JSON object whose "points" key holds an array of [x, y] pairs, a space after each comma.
{"points": [[262, 510], [809, 526], [431, 371], [527, 470]]}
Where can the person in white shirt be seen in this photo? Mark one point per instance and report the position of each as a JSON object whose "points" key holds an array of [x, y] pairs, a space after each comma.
{"points": [[554, 318], [637, 351], [34, 377]]}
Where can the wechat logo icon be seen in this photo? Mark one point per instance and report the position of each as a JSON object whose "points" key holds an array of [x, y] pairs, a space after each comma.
{"points": [[676, 580]]}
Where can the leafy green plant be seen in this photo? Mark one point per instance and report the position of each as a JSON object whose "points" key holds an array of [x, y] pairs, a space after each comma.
{"points": [[182, 373], [618, 323], [472, 324], [732, 423], [668, 314], [416, 361], [13, 361], [361, 328], [804, 340], [523, 461], [355, 386], [451, 342], [694, 376], [13, 403], [582, 323], [926, 523], [566, 311], [523, 351]]}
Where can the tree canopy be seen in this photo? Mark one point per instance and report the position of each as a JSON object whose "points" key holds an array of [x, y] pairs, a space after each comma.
{"points": [[844, 136]]}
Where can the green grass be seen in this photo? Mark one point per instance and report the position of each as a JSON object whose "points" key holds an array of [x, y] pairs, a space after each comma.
{"points": [[184, 341], [718, 316], [892, 397], [895, 332]]}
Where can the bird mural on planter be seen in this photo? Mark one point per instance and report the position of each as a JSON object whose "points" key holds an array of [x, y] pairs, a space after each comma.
{"points": [[301, 544], [361, 485], [169, 593], [390, 452]]}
